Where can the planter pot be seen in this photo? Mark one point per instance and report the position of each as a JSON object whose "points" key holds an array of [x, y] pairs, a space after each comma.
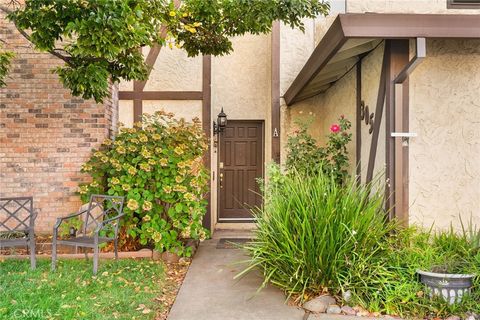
{"points": [[451, 287]]}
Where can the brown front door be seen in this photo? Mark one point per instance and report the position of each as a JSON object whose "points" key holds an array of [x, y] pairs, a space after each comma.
{"points": [[240, 165]]}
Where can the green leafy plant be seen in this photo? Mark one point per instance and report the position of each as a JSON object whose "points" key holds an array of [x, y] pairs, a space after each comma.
{"points": [[99, 41], [311, 231], [66, 227], [158, 167], [390, 284], [305, 156], [5, 60]]}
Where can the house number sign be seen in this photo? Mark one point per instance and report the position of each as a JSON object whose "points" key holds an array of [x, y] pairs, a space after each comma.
{"points": [[367, 116]]}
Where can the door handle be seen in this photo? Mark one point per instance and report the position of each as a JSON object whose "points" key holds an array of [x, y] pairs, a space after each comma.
{"points": [[221, 180]]}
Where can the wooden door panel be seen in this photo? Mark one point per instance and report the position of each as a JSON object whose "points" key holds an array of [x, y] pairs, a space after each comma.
{"points": [[241, 152]]}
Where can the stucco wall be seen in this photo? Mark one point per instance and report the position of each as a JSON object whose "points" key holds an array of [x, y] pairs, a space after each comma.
{"points": [[445, 113], [404, 6], [241, 84], [371, 70]]}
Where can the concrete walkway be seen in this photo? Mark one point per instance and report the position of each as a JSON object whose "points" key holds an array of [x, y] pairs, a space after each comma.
{"points": [[209, 291]]}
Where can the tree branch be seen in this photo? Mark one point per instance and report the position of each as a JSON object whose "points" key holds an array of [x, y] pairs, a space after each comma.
{"points": [[29, 39]]}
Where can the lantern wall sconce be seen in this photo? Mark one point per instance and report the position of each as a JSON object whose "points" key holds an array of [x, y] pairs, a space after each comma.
{"points": [[221, 123]]}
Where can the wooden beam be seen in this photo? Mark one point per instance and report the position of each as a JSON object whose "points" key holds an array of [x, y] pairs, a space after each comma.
{"points": [[380, 26], [275, 91], [160, 95], [398, 59], [333, 40], [378, 116], [207, 127], [137, 103]]}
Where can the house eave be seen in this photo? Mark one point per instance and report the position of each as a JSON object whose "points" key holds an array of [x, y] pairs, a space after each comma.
{"points": [[373, 27]]}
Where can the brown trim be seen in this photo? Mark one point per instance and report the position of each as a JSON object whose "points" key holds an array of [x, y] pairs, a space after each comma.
{"points": [[207, 127], [160, 95], [378, 115], [358, 123], [326, 49], [275, 111], [398, 59], [137, 103], [382, 26], [455, 4]]}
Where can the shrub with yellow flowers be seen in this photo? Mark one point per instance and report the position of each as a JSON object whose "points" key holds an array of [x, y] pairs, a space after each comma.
{"points": [[158, 167]]}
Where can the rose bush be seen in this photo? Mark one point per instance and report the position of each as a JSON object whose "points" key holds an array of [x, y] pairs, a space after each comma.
{"points": [[157, 166], [305, 156]]}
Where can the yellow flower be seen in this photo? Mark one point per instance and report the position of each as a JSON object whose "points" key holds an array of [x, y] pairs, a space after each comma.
{"points": [[178, 150], [118, 142], [94, 184], [163, 162], [147, 206], [181, 164], [143, 138], [83, 190], [157, 236], [134, 141], [147, 218], [172, 13], [167, 189], [158, 150], [178, 179], [121, 150], [145, 153], [98, 154], [132, 171], [156, 136], [145, 167], [125, 187], [86, 167], [107, 142], [115, 180], [137, 124], [132, 148], [180, 188], [152, 162], [132, 204], [104, 159], [189, 196]]}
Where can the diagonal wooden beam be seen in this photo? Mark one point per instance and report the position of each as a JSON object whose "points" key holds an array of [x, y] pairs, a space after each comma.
{"points": [[378, 116]]}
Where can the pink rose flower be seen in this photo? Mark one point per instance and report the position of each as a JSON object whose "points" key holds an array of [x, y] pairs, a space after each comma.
{"points": [[335, 128]]}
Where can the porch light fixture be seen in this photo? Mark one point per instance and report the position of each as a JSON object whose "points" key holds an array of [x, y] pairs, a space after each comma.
{"points": [[221, 123]]}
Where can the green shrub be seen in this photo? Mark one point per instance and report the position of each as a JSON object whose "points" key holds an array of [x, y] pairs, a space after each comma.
{"points": [[311, 231], [391, 285], [159, 170], [306, 157]]}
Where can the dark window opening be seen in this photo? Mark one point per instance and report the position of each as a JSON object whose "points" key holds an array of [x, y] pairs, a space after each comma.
{"points": [[463, 4]]}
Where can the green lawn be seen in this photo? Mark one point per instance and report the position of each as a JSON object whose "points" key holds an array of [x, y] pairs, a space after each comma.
{"points": [[124, 289]]}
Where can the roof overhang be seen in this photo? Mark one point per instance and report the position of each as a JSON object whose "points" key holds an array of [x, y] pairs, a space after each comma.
{"points": [[353, 34]]}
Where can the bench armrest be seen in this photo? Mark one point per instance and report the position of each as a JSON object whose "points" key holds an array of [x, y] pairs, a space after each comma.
{"points": [[61, 219], [108, 221]]}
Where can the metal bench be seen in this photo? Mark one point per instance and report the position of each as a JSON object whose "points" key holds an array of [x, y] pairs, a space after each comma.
{"points": [[17, 224], [100, 225]]}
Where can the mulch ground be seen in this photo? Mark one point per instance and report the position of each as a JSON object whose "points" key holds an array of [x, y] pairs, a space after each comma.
{"points": [[174, 277]]}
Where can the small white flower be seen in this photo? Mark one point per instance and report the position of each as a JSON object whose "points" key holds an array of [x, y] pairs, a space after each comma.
{"points": [[354, 232]]}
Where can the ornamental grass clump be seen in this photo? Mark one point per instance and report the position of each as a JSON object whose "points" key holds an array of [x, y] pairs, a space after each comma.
{"points": [[158, 167], [311, 231]]}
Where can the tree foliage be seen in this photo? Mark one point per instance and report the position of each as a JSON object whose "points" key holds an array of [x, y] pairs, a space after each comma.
{"points": [[101, 40]]}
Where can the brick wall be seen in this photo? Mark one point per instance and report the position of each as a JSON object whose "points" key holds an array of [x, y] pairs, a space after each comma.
{"points": [[45, 133]]}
